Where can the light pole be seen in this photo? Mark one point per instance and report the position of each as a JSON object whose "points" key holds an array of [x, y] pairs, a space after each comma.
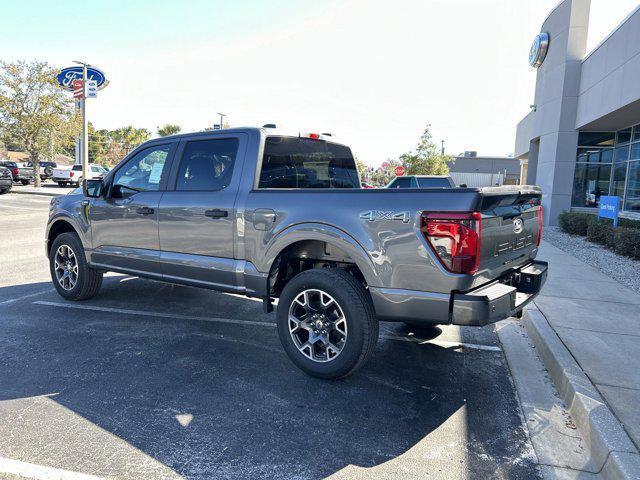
{"points": [[85, 129], [222, 115]]}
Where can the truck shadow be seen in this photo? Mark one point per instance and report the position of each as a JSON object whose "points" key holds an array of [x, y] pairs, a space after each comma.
{"points": [[222, 400]]}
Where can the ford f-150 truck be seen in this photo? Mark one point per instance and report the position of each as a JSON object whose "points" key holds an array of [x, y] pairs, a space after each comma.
{"points": [[283, 217]]}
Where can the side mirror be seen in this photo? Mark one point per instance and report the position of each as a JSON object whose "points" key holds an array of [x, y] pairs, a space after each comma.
{"points": [[92, 188]]}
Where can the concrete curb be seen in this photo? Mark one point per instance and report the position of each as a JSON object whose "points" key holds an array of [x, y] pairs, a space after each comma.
{"points": [[611, 448], [36, 192]]}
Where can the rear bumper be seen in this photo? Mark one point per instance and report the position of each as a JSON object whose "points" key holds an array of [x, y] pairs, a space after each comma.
{"points": [[490, 303]]}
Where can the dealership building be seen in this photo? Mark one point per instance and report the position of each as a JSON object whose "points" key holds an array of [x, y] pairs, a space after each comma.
{"points": [[581, 139]]}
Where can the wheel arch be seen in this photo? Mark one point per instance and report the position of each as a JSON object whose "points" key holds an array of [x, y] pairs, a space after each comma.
{"points": [[59, 226], [305, 239]]}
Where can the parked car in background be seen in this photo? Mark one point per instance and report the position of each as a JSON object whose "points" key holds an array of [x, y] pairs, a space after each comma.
{"points": [[422, 181], [46, 169], [73, 175], [6, 180], [19, 172], [273, 216]]}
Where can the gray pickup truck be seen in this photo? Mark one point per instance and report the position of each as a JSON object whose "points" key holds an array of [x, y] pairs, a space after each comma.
{"points": [[284, 218]]}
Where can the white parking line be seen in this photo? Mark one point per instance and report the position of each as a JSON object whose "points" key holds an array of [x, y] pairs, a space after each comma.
{"points": [[40, 472], [442, 343], [17, 299], [155, 314]]}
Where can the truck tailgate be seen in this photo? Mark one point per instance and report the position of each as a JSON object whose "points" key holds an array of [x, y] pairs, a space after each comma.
{"points": [[511, 225]]}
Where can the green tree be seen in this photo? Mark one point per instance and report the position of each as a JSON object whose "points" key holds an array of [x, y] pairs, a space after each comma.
{"points": [[35, 115], [168, 129], [426, 159], [98, 145], [122, 140]]}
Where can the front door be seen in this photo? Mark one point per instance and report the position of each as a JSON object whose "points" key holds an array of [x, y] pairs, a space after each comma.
{"points": [[124, 223], [197, 212]]}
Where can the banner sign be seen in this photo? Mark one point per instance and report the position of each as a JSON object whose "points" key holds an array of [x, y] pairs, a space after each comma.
{"points": [[77, 88], [609, 207], [92, 89], [67, 75]]}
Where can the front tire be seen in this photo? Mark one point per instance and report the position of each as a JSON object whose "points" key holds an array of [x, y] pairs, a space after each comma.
{"points": [[326, 323], [70, 273]]}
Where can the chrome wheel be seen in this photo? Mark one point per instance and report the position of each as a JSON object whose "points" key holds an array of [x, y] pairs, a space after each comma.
{"points": [[317, 325], [66, 267]]}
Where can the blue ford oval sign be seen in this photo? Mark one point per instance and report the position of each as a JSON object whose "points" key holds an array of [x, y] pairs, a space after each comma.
{"points": [[68, 75]]}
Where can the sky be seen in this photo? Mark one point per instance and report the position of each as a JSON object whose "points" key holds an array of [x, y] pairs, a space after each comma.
{"points": [[374, 73]]}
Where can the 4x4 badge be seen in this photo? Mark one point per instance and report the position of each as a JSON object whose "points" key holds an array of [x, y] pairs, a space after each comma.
{"points": [[373, 215]]}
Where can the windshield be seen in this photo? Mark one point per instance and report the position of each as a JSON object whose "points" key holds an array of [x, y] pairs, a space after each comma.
{"points": [[294, 162]]}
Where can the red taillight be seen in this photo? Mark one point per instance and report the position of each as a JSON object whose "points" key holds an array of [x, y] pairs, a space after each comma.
{"points": [[71, 174], [15, 171], [456, 239], [315, 136], [539, 226]]}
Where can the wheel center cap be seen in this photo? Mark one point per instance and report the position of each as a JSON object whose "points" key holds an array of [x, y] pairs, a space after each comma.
{"points": [[318, 324]]}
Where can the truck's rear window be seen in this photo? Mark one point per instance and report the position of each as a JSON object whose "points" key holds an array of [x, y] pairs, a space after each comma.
{"points": [[294, 162]]}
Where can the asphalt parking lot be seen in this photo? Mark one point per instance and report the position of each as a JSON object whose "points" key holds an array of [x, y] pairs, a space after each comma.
{"points": [[150, 380]]}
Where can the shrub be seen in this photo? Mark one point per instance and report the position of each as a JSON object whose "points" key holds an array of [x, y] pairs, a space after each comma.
{"points": [[600, 232], [628, 223], [627, 242], [575, 223]]}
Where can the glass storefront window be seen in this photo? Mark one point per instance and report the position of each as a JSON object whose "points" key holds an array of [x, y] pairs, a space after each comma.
{"points": [[635, 151], [624, 136], [589, 183], [636, 133], [632, 201], [596, 139], [622, 154], [619, 174]]}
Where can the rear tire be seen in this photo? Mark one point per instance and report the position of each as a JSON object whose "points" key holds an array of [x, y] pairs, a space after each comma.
{"points": [[336, 332], [24, 182], [70, 273]]}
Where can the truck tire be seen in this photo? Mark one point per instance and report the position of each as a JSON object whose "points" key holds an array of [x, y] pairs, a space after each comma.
{"points": [[72, 277], [326, 322], [62, 184], [24, 182], [48, 171]]}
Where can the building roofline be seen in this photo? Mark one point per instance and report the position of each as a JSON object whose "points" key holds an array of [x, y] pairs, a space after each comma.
{"points": [[605, 39]]}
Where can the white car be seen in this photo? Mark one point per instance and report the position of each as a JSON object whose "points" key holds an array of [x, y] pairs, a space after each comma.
{"points": [[73, 175]]}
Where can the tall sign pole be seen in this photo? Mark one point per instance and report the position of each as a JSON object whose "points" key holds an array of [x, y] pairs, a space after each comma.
{"points": [[84, 81], [85, 129]]}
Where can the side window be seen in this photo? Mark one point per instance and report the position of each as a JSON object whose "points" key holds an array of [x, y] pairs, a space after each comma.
{"points": [[207, 164], [144, 171]]}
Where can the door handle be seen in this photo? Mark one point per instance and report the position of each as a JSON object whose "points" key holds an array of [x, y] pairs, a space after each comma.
{"points": [[145, 210], [216, 213]]}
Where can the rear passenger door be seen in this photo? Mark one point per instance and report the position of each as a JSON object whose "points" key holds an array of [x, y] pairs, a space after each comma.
{"points": [[197, 213]]}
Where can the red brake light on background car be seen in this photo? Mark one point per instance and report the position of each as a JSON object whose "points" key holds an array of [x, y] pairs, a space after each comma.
{"points": [[71, 174], [455, 238], [540, 217], [15, 171]]}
